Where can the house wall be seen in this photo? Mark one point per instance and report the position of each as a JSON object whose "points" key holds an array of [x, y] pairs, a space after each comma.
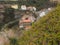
{"points": [[26, 23]]}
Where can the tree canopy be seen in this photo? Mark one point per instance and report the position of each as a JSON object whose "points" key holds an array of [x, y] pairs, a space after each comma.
{"points": [[38, 3]]}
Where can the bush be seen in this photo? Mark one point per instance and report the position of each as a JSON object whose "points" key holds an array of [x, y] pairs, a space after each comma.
{"points": [[44, 32], [9, 15], [13, 41]]}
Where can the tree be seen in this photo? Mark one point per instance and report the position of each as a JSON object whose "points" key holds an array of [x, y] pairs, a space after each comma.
{"points": [[9, 15], [38, 3]]}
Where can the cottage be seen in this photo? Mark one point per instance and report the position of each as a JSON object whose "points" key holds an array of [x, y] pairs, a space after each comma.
{"points": [[15, 6], [26, 21], [23, 7], [31, 8]]}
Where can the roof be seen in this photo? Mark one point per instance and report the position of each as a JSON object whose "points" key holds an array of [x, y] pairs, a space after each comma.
{"points": [[26, 21]]}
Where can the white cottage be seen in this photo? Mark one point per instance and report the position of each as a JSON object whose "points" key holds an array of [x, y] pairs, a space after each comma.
{"points": [[23, 7]]}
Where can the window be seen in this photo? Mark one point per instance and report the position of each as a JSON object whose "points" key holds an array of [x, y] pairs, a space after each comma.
{"points": [[26, 18]]}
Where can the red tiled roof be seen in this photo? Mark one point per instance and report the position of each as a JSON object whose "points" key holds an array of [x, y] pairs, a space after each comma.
{"points": [[26, 21]]}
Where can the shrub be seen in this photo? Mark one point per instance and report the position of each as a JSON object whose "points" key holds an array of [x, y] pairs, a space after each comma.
{"points": [[13, 41]]}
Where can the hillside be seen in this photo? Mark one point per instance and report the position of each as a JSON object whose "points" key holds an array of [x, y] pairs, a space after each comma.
{"points": [[44, 32]]}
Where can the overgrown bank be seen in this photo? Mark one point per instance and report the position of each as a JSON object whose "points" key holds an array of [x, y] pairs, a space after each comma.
{"points": [[45, 32]]}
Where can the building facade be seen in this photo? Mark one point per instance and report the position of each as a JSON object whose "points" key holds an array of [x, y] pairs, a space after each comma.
{"points": [[26, 21]]}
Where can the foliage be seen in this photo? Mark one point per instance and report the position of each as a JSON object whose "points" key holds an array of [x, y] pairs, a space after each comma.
{"points": [[8, 15], [44, 32], [38, 3], [13, 41]]}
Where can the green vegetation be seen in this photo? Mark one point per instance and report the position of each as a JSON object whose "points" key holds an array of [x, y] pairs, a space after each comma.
{"points": [[44, 32], [9, 15], [13, 41], [37, 3]]}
